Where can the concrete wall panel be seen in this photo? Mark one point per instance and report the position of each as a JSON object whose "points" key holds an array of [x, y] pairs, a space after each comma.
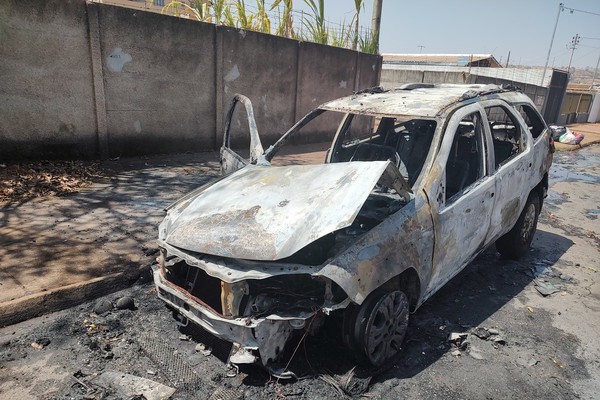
{"points": [[392, 78], [324, 73], [264, 69], [159, 79], [369, 67], [445, 77], [46, 91]]}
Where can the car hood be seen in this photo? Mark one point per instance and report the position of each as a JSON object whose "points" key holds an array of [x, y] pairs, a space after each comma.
{"points": [[269, 213]]}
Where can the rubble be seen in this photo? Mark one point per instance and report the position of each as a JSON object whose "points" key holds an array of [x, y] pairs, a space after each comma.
{"points": [[482, 333], [125, 303], [565, 278], [547, 288], [103, 306], [40, 343]]}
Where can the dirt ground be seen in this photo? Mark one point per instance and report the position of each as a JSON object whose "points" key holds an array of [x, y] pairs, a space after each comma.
{"points": [[517, 343]]}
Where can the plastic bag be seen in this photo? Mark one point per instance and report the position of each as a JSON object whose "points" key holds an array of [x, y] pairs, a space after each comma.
{"points": [[570, 137]]}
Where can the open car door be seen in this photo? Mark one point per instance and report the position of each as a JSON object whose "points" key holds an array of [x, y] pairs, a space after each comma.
{"points": [[230, 160]]}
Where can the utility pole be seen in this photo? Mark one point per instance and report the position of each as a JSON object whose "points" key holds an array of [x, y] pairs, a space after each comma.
{"points": [[595, 74], [573, 45], [376, 21], [421, 48], [561, 7]]}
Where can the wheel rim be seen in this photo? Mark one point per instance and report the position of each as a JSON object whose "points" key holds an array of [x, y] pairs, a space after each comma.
{"points": [[528, 223], [385, 328]]}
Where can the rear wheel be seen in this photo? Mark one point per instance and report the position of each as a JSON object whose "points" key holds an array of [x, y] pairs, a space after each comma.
{"points": [[517, 241]]}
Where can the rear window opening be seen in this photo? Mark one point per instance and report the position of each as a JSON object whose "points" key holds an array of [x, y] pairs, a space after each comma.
{"points": [[506, 134], [532, 119]]}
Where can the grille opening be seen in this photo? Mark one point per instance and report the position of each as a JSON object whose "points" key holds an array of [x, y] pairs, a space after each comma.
{"points": [[196, 282]]}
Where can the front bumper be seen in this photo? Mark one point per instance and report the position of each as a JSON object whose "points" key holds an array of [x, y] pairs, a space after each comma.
{"points": [[254, 339]]}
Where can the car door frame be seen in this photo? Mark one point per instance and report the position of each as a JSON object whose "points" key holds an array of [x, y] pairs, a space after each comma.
{"points": [[444, 267], [230, 160], [511, 177]]}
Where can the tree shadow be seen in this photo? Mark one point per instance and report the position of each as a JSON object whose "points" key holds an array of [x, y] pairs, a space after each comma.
{"points": [[107, 227]]}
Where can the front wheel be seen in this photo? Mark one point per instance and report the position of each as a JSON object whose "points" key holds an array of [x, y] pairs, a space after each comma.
{"points": [[516, 242], [378, 327]]}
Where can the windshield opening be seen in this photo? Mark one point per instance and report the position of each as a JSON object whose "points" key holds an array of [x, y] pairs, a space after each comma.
{"points": [[406, 142]]}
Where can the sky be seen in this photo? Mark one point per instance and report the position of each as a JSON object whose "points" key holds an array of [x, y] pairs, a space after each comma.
{"points": [[521, 27]]}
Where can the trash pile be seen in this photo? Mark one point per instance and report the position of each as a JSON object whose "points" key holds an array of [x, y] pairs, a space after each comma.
{"points": [[462, 341], [563, 134], [546, 280]]}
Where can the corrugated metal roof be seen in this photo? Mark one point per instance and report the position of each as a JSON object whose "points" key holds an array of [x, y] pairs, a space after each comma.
{"points": [[426, 102], [446, 59], [580, 88]]}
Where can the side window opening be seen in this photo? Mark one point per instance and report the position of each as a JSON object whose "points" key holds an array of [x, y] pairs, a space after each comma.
{"points": [[532, 118], [465, 163], [506, 134]]}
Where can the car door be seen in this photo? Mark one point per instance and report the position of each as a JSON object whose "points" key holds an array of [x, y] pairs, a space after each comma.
{"points": [[461, 194], [513, 165], [231, 161]]}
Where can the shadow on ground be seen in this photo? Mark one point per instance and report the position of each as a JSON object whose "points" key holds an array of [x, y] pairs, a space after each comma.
{"points": [[468, 301], [108, 227]]}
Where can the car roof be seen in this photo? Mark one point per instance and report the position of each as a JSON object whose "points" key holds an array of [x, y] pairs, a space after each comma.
{"points": [[415, 100]]}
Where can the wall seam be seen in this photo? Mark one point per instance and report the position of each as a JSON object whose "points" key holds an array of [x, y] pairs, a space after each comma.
{"points": [[296, 82], [357, 72], [219, 124], [98, 79]]}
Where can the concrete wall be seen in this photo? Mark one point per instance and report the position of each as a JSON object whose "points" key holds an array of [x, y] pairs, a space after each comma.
{"points": [[546, 98], [264, 68], [46, 89], [158, 81], [90, 80]]}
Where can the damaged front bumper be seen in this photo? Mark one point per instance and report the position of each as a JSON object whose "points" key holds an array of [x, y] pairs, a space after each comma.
{"points": [[256, 338]]}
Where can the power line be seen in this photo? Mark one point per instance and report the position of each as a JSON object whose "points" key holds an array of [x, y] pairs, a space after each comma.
{"points": [[561, 8], [581, 11]]}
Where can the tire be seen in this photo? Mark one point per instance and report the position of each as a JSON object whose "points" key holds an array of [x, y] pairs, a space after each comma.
{"points": [[377, 328], [516, 242]]}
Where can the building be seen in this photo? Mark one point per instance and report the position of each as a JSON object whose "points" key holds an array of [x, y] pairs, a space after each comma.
{"points": [[581, 104]]}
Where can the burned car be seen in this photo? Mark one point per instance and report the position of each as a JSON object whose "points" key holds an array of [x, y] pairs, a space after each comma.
{"points": [[416, 183]]}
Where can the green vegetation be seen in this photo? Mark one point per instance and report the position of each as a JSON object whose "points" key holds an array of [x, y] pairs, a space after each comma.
{"points": [[280, 19]]}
